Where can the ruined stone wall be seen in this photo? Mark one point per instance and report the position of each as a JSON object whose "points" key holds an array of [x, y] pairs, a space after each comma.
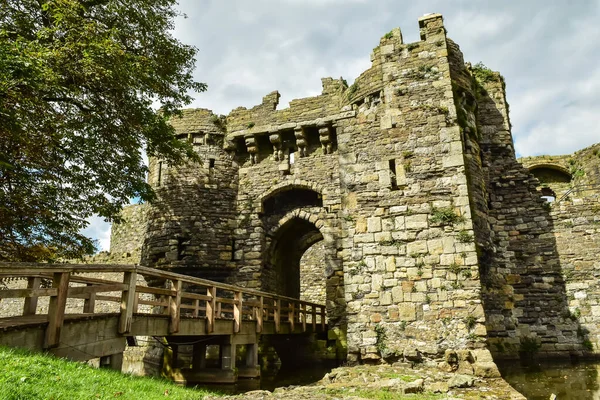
{"points": [[126, 238], [524, 292], [312, 276], [576, 228]]}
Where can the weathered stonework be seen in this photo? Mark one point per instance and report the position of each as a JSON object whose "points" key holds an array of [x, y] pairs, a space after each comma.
{"points": [[575, 216], [397, 201]]}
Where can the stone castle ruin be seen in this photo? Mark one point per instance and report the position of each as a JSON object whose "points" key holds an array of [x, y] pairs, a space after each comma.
{"points": [[398, 202]]}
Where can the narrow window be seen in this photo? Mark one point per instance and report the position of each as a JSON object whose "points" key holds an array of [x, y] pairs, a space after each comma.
{"points": [[211, 163], [232, 249], [159, 173], [393, 182], [180, 248]]}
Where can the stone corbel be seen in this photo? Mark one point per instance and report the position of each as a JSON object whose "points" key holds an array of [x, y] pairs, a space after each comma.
{"points": [[275, 139], [300, 141], [326, 139], [252, 148]]}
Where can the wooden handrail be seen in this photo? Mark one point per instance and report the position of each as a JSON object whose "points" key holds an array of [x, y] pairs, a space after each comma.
{"points": [[185, 296]]}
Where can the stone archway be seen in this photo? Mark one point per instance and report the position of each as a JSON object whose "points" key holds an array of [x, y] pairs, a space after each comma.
{"points": [[299, 257], [284, 255]]}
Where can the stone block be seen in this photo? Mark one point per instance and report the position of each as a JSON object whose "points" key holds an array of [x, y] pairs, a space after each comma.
{"points": [[374, 224], [486, 369], [417, 247], [418, 221], [397, 294]]}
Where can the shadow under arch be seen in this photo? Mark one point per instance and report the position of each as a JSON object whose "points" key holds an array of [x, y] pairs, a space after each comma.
{"points": [[289, 243], [302, 192]]}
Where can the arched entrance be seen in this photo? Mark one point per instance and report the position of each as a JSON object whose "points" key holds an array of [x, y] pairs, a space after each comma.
{"points": [[284, 256], [299, 257]]}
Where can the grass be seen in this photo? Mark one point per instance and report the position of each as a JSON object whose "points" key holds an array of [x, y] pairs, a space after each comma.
{"points": [[381, 394], [25, 375]]}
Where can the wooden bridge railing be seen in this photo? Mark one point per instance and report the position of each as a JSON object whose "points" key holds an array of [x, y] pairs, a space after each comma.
{"points": [[172, 294]]}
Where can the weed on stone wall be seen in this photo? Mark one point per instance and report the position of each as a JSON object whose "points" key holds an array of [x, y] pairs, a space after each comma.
{"points": [[381, 338], [445, 216], [529, 346], [464, 236]]}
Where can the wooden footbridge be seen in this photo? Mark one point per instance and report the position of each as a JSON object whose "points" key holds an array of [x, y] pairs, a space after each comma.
{"points": [[84, 312]]}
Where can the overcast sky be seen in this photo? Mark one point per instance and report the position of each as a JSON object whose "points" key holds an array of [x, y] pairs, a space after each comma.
{"points": [[548, 52]]}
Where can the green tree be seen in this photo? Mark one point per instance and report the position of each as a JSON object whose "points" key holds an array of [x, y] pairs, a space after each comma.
{"points": [[78, 82]]}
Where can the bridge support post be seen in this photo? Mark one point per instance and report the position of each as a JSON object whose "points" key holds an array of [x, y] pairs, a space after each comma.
{"points": [[251, 368], [228, 356], [114, 361], [199, 356]]}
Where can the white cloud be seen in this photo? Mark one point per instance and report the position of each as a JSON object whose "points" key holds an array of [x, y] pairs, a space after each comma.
{"points": [[547, 51], [100, 230]]}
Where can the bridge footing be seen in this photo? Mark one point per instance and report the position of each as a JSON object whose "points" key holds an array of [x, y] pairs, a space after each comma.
{"points": [[200, 370], [114, 361]]}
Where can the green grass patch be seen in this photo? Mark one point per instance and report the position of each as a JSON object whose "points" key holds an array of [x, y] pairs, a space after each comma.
{"points": [[25, 375], [381, 394]]}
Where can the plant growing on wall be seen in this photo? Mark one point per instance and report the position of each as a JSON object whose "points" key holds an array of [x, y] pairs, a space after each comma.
{"points": [[445, 216], [464, 236], [381, 338]]}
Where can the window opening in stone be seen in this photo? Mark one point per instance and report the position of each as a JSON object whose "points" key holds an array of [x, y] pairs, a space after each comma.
{"points": [[548, 194], [394, 182], [232, 249], [159, 173], [180, 248], [211, 163]]}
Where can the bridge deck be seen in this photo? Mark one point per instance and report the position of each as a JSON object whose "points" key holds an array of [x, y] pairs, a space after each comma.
{"points": [[181, 306]]}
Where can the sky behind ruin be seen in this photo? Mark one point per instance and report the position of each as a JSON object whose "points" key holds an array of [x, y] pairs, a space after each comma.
{"points": [[548, 52]]}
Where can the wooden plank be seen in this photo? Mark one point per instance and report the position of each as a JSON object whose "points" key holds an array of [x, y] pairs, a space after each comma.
{"points": [[259, 315], [192, 306], [277, 315], [30, 305], [127, 300], [211, 309], [223, 300], [194, 296], [303, 315], [89, 279], [160, 303], [154, 290], [29, 268], [19, 293], [322, 318], [237, 312], [174, 311], [196, 308], [90, 303], [115, 287], [252, 303], [56, 309], [292, 316], [113, 299], [313, 310]]}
